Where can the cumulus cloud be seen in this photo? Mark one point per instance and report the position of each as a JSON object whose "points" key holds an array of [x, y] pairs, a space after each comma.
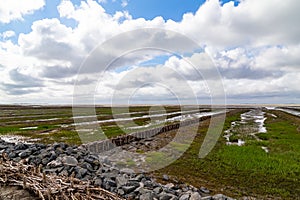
{"points": [[15, 10], [7, 34], [255, 46], [252, 22], [22, 83]]}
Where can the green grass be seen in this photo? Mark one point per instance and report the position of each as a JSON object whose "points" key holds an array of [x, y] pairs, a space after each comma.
{"points": [[8, 129], [246, 170]]}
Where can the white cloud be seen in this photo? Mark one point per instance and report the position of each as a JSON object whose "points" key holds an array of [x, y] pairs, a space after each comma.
{"points": [[7, 34], [255, 46], [15, 9], [252, 22], [124, 3]]}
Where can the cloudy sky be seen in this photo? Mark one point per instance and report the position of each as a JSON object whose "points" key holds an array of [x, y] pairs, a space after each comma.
{"points": [[149, 51]]}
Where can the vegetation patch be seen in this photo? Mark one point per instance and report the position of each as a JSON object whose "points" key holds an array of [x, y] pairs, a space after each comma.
{"points": [[246, 170]]}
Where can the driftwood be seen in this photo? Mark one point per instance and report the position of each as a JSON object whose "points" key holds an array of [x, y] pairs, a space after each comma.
{"points": [[49, 187]]}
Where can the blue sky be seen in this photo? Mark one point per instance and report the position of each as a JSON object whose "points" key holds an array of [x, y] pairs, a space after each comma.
{"points": [[147, 9], [253, 44]]}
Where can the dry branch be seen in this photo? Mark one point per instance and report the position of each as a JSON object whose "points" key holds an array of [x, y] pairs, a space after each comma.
{"points": [[49, 187]]}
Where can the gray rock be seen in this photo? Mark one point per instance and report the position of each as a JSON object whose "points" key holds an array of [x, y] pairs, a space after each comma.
{"points": [[207, 198], [121, 181], [21, 146], [165, 196], [136, 184], [204, 190], [128, 189], [55, 163], [52, 156], [110, 175], [45, 161], [184, 197], [70, 161], [146, 196], [148, 184], [127, 171], [120, 192], [25, 154], [157, 190], [12, 155], [108, 184], [166, 177], [221, 197], [139, 177], [53, 170], [93, 160], [87, 166], [169, 185], [70, 151], [195, 196], [82, 172], [98, 182], [64, 173]]}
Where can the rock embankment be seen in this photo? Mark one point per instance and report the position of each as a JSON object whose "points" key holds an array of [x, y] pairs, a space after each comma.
{"points": [[64, 160]]}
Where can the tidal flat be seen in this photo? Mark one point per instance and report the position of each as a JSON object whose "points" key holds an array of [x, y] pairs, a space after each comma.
{"points": [[257, 155]]}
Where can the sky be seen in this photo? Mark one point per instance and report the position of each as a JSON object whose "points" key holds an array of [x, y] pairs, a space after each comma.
{"points": [[150, 51]]}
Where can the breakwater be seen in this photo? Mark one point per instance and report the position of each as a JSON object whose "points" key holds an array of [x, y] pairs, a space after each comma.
{"points": [[109, 144]]}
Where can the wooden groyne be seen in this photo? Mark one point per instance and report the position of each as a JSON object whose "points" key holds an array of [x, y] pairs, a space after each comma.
{"points": [[109, 144]]}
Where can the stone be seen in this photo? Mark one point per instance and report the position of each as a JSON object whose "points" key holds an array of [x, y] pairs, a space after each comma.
{"points": [[36, 160], [139, 177], [204, 190], [87, 166], [148, 184], [207, 198], [157, 190], [184, 197], [64, 173], [70, 161], [21, 146], [195, 196], [120, 192], [127, 171], [53, 170], [166, 177], [55, 163], [169, 185], [12, 155], [69, 151], [25, 154], [93, 160], [146, 196], [165, 196], [45, 161], [82, 172], [133, 183], [221, 197], [121, 181], [98, 182], [52, 156], [128, 189], [111, 183]]}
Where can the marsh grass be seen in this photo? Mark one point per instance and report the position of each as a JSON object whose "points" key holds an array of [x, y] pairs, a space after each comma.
{"points": [[246, 170]]}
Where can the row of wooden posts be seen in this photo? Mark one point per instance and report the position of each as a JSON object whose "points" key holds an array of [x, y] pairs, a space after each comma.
{"points": [[109, 144]]}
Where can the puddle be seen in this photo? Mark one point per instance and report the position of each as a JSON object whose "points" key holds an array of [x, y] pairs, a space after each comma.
{"points": [[287, 110], [29, 128], [179, 118], [184, 116], [252, 122], [18, 139]]}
